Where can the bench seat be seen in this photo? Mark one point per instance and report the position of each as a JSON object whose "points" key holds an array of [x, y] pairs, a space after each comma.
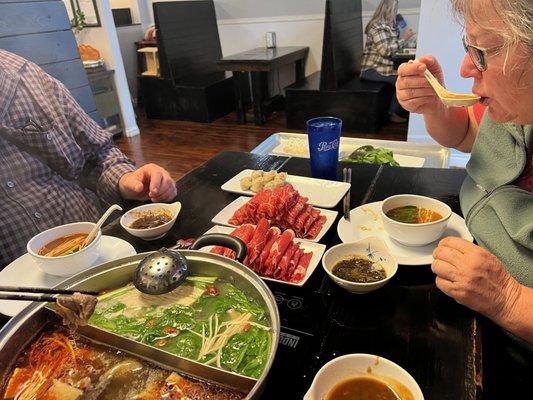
{"points": [[199, 98], [362, 105]]}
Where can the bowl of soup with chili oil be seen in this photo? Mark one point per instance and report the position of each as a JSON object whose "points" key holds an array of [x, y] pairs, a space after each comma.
{"points": [[414, 220]]}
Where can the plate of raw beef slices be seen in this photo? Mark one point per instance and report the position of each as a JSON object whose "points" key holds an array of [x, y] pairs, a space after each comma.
{"points": [[273, 254], [284, 208]]}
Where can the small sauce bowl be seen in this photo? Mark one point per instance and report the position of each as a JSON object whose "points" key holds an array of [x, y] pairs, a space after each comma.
{"points": [[374, 249], [156, 232]]}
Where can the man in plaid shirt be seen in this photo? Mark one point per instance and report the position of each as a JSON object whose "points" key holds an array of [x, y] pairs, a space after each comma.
{"points": [[57, 165]]}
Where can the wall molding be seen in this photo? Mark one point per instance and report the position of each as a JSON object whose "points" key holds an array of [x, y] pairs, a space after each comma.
{"points": [[269, 20], [132, 131], [299, 18]]}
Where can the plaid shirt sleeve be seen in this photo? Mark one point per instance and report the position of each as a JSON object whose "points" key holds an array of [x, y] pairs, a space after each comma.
{"points": [[386, 40], [381, 43], [108, 162], [56, 164]]}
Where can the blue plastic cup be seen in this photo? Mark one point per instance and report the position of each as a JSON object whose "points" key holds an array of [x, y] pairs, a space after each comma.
{"points": [[324, 135]]}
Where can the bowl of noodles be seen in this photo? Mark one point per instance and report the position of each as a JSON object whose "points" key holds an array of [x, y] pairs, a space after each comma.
{"points": [[59, 251]]}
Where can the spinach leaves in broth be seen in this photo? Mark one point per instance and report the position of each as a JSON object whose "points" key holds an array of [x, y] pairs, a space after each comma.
{"points": [[413, 215], [206, 319]]}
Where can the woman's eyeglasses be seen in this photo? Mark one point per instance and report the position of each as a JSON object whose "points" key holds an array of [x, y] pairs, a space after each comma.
{"points": [[478, 54]]}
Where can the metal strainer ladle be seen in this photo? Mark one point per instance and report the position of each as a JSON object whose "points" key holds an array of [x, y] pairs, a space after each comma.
{"points": [[161, 272]]}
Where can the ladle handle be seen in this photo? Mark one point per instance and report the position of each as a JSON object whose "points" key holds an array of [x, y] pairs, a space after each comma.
{"points": [[221, 239]]}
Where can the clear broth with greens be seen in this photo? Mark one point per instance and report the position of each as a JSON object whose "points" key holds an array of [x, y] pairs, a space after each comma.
{"points": [[205, 319], [413, 215]]}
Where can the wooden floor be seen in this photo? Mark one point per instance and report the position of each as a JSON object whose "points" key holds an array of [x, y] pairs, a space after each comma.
{"points": [[180, 146]]}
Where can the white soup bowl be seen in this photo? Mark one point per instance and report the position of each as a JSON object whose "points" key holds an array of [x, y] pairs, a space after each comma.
{"points": [[415, 234], [354, 365], [70, 264]]}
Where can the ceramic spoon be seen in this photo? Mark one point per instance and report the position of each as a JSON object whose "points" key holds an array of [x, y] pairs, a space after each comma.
{"points": [[99, 224], [449, 99]]}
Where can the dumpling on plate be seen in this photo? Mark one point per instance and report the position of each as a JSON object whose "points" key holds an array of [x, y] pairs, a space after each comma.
{"points": [[246, 183]]}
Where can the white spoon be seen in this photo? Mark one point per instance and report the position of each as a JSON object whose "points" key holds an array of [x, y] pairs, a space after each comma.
{"points": [[449, 99], [99, 224]]}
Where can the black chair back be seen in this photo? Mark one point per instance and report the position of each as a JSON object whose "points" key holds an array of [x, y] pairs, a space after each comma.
{"points": [[188, 40], [343, 43]]}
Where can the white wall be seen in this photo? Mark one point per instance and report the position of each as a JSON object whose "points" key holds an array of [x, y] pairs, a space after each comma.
{"points": [[105, 39], [236, 9], [296, 23], [440, 34], [127, 36]]}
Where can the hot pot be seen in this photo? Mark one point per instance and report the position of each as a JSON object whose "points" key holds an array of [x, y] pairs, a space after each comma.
{"points": [[22, 329]]}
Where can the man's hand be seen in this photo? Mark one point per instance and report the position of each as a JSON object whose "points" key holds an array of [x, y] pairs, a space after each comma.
{"points": [[148, 182], [475, 278]]}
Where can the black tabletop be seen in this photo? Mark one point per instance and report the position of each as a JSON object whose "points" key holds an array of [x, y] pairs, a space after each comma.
{"points": [[262, 58], [400, 58], [408, 321]]}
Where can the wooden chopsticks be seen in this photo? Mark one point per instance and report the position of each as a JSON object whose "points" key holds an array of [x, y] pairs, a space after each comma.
{"points": [[41, 294]]}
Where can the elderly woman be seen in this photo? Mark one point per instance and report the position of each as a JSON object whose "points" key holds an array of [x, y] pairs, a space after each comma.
{"points": [[496, 277]]}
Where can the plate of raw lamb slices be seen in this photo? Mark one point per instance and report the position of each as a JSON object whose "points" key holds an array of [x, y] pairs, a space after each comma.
{"points": [[284, 207], [274, 255]]}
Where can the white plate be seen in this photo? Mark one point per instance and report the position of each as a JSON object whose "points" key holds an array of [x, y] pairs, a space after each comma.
{"points": [[345, 150], [320, 192], [23, 272], [317, 249], [227, 212], [365, 221]]}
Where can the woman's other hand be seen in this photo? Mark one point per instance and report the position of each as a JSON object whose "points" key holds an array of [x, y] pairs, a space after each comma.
{"points": [[408, 34], [475, 278], [148, 182], [414, 92]]}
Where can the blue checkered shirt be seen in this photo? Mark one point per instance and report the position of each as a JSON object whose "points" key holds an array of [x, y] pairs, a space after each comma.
{"points": [[56, 164]]}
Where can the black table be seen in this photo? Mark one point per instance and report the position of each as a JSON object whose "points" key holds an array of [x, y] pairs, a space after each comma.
{"points": [[258, 62], [400, 58], [408, 321]]}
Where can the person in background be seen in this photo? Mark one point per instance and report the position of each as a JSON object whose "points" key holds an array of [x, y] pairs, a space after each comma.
{"points": [[495, 277], [382, 41], [56, 164]]}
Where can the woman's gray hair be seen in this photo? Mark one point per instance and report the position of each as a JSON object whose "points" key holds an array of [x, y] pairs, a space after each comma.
{"points": [[517, 15]]}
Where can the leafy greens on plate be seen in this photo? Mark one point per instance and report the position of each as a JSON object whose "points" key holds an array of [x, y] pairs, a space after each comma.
{"points": [[372, 155]]}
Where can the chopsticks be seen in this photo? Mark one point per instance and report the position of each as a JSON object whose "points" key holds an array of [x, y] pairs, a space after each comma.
{"points": [[41, 294], [347, 177], [27, 297]]}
